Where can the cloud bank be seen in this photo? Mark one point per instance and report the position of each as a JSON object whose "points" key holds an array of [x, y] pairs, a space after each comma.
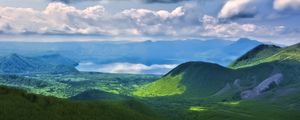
{"points": [[127, 68], [250, 8], [184, 22], [163, 1], [145, 1], [286, 4]]}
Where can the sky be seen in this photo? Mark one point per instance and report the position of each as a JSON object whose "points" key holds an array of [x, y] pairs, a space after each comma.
{"points": [[275, 21]]}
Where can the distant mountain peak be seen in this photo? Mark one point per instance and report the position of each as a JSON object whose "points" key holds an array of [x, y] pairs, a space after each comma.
{"points": [[14, 64], [51, 55], [246, 40], [13, 55], [148, 41], [14, 58]]}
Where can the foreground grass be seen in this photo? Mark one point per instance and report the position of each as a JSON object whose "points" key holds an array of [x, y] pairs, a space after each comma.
{"points": [[231, 110], [246, 110], [18, 105]]}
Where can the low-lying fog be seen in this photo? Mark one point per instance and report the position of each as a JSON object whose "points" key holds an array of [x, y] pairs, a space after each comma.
{"points": [[126, 68]]}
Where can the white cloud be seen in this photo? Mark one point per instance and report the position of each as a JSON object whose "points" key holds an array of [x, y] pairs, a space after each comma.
{"points": [[135, 24], [59, 18], [238, 8], [127, 68], [286, 4], [212, 27]]}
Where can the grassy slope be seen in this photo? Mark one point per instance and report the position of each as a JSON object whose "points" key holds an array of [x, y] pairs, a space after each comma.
{"points": [[256, 54], [68, 85], [167, 86], [18, 105], [268, 54], [202, 79], [192, 79], [243, 110]]}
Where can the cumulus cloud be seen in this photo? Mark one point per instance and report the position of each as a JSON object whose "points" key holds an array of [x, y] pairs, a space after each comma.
{"points": [[127, 68], [238, 9], [286, 4], [58, 18], [146, 1], [263, 8], [63, 19], [163, 1], [212, 27]]}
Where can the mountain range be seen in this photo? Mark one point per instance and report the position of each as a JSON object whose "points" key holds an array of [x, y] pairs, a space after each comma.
{"points": [[262, 84], [54, 63], [148, 52]]}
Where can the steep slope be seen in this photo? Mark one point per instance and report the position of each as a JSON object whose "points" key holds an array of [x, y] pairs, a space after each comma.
{"points": [[264, 54], [15, 64], [257, 53], [19, 105]]}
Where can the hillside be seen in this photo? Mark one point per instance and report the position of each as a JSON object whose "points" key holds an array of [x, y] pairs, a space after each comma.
{"points": [[202, 80], [274, 80], [265, 54], [17, 64], [98, 95], [18, 105], [188, 79]]}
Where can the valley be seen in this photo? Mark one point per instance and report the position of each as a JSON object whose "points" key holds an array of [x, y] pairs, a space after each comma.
{"points": [[68, 85], [149, 60], [262, 84]]}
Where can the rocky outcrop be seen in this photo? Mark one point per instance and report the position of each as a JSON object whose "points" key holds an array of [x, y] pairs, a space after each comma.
{"points": [[265, 85], [226, 88]]}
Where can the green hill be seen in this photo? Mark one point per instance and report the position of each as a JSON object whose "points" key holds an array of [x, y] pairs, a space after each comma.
{"points": [[201, 80], [269, 79], [264, 84], [19, 105], [267, 53], [193, 79]]}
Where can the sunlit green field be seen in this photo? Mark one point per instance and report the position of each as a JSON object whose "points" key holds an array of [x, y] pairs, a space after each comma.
{"points": [[67, 85], [229, 110]]}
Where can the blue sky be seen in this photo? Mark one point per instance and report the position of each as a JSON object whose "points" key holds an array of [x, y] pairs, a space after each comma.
{"points": [[274, 21]]}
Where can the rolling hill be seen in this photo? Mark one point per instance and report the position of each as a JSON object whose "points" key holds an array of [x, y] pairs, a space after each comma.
{"points": [[190, 79], [272, 74], [19, 105], [268, 53]]}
